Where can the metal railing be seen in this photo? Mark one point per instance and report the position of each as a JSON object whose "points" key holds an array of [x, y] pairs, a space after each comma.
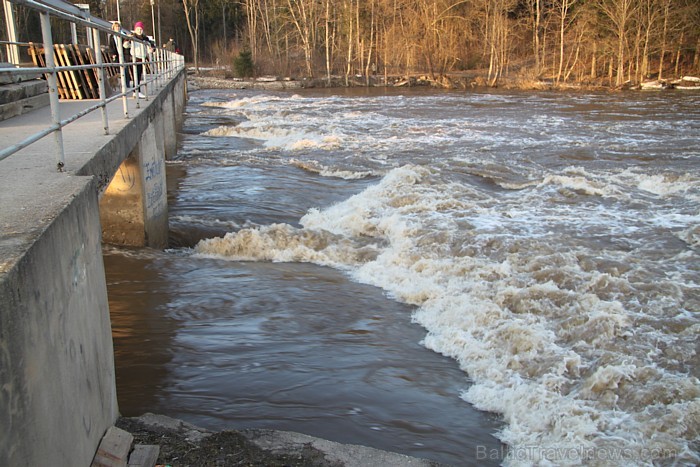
{"points": [[164, 65]]}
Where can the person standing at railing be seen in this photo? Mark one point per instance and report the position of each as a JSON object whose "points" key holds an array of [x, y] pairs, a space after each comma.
{"points": [[140, 53], [114, 50], [171, 46]]}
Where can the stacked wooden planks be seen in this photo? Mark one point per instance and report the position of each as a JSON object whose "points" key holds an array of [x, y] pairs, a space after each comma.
{"points": [[77, 84]]}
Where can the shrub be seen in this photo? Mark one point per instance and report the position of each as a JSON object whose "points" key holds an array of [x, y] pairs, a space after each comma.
{"points": [[243, 64]]}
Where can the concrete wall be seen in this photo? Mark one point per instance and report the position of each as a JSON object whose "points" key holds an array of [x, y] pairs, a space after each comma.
{"points": [[57, 381], [58, 392]]}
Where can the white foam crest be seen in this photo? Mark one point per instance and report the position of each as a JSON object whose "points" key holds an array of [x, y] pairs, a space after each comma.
{"points": [[561, 430], [579, 184], [667, 184], [223, 130], [240, 102], [316, 167], [284, 243], [272, 136], [605, 382], [618, 184], [691, 235], [205, 221], [664, 185], [325, 142], [362, 214], [516, 186]]}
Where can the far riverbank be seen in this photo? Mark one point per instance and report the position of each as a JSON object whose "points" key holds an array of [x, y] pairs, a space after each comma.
{"points": [[220, 78]]}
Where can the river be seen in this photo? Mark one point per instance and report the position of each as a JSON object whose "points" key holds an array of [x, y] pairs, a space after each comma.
{"points": [[473, 278]]}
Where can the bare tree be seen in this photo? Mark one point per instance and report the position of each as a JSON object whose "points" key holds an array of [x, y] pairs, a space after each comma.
{"points": [[563, 7], [568, 39], [191, 8], [304, 15], [535, 12], [496, 34], [620, 13], [328, 39]]}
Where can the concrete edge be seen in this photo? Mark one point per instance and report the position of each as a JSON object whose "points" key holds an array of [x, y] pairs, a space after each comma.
{"points": [[22, 106], [348, 455]]}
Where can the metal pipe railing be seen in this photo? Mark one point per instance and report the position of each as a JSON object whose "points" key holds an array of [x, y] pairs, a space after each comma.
{"points": [[163, 66]]}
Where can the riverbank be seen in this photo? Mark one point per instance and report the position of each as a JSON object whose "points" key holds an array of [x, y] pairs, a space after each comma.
{"points": [[183, 444], [218, 78]]}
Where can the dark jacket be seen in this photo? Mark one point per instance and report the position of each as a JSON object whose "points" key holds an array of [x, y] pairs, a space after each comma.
{"points": [[114, 52]]}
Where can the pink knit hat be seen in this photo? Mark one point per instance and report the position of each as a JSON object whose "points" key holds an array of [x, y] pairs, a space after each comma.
{"points": [[138, 24]]}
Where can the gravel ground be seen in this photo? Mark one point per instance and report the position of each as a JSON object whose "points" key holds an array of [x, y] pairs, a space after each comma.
{"points": [[184, 446]]}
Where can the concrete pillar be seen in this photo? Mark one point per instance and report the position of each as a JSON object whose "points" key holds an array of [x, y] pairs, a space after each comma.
{"points": [[134, 207], [169, 127], [152, 157], [180, 99], [121, 206]]}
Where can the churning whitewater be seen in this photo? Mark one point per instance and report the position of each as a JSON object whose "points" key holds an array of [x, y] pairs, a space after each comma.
{"points": [[549, 243]]}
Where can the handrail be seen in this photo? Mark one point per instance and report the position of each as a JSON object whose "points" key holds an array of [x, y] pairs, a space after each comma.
{"points": [[164, 65]]}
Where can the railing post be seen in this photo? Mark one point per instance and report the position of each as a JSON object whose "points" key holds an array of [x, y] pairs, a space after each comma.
{"points": [[160, 69], [101, 83], [156, 67], [12, 49], [166, 65], [53, 88], [122, 73]]}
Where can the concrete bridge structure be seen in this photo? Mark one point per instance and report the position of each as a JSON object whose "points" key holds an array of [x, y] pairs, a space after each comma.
{"points": [[57, 381]]}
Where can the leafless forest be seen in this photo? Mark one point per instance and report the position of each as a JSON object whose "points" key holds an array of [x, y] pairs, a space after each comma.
{"points": [[609, 42]]}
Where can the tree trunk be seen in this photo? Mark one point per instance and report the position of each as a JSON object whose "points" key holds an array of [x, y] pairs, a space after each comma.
{"points": [[348, 63], [667, 6], [371, 44], [191, 8], [678, 54], [538, 19], [328, 42]]}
